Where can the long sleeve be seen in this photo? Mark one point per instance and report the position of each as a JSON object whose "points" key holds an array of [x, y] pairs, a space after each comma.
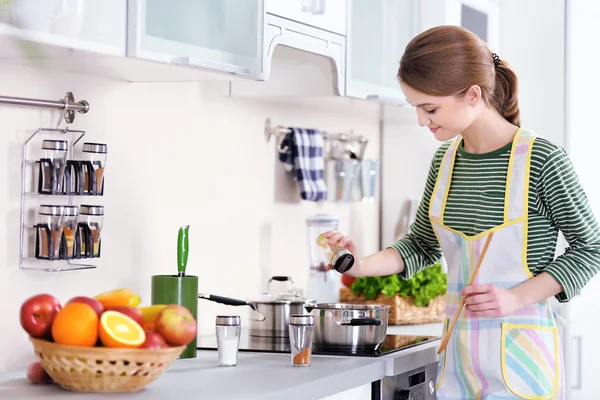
{"points": [[420, 247], [567, 205]]}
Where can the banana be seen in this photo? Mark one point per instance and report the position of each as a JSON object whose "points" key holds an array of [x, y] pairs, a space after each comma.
{"points": [[150, 312]]}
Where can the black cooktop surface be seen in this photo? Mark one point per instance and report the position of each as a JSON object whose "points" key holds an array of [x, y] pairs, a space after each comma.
{"points": [[392, 343]]}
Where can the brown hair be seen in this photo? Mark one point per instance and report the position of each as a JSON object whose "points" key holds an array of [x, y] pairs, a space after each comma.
{"points": [[447, 60]]}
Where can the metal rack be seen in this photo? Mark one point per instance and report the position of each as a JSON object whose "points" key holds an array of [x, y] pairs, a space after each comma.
{"points": [[68, 107], [281, 131]]}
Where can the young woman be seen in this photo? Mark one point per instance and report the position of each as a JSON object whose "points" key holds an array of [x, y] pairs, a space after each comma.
{"points": [[490, 179]]}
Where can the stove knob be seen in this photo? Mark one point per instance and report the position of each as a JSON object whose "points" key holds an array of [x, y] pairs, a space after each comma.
{"points": [[402, 395], [431, 386]]}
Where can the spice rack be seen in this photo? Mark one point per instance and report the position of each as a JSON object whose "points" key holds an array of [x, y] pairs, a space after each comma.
{"points": [[31, 189]]}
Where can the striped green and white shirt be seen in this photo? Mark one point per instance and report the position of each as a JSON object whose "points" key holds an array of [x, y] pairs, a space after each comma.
{"points": [[476, 203]]}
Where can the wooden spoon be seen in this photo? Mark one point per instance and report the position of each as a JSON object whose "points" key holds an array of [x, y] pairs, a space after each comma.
{"points": [[448, 333]]}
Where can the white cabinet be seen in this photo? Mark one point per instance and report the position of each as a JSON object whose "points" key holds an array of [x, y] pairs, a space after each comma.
{"points": [[378, 33], [218, 35], [328, 15], [97, 26]]}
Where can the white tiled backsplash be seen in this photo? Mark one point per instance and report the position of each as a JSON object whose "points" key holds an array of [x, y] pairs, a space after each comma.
{"points": [[178, 153]]}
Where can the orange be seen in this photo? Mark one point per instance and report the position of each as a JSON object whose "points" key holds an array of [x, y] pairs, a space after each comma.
{"points": [[76, 324], [119, 330], [115, 298]]}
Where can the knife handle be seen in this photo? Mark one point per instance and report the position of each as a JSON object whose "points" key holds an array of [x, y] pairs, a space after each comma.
{"points": [[182, 249]]}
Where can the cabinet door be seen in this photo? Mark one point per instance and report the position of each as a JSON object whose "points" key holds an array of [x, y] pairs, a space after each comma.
{"points": [[98, 26], [378, 33], [329, 15], [219, 35]]}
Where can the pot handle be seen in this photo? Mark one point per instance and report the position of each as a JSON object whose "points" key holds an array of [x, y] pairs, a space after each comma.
{"points": [[226, 300], [360, 322], [279, 278]]}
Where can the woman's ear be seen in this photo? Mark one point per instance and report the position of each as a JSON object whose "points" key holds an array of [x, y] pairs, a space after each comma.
{"points": [[473, 96]]}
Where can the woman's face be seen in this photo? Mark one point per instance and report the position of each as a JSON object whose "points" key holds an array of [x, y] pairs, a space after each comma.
{"points": [[445, 117]]}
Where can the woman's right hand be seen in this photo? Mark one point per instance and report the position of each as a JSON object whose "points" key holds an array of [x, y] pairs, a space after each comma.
{"points": [[337, 240]]}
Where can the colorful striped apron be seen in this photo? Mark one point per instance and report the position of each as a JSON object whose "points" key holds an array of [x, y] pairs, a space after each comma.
{"points": [[512, 357]]}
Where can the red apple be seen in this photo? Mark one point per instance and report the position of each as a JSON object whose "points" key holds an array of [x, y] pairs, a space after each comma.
{"points": [[154, 341], [132, 312], [37, 315], [37, 374], [177, 325], [95, 304]]}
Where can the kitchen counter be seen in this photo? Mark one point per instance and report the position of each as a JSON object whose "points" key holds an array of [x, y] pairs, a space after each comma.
{"points": [[261, 376], [257, 376]]}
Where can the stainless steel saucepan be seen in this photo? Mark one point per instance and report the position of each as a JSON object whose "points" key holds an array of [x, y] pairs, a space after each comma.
{"points": [[349, 327], [270, 315]]}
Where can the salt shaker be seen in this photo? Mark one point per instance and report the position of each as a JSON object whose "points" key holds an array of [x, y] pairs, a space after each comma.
{"points": [[228, 329], [301, 336], [341, 259]]}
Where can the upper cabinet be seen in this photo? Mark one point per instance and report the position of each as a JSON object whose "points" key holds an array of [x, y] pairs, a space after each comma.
{"points": [[224, 36], [378, 32], [97, 26], [329, 15]]}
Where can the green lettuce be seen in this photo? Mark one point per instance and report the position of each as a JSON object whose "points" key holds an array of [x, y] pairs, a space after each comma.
{"points": [[423, 286]]}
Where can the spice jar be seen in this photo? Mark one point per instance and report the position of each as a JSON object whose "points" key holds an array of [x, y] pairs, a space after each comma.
{"points": [[95, 155], [52, 166], [301, 329], [341, 259], [90, 223], [228, 329], [69, 228]]}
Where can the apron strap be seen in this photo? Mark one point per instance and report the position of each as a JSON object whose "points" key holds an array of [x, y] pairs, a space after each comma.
{"points": [[442, 184], [516, 198]]}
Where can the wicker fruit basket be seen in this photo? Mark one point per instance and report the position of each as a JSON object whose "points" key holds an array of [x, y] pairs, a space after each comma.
{"points": [[102, 369], [402, 310]]}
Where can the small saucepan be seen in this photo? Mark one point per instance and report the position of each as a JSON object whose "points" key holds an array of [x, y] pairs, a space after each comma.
{"points": [[349, 327], [270, 315]]}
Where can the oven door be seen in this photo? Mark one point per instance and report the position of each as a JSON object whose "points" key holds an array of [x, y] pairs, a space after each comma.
{"points": [[417, 384]]}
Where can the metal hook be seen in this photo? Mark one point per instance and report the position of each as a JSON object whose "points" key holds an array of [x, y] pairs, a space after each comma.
{"points": [[66, 114]]}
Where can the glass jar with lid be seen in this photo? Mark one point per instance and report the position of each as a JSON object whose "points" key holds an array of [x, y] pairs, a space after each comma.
{"points": [[52, 166], [90, 223], [94, 155]]}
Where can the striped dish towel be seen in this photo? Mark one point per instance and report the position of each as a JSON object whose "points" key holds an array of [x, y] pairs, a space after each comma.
{"points": [[303, 159]]}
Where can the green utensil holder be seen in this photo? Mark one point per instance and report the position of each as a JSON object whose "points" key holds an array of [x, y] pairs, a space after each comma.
{"points": [[172, 289]]}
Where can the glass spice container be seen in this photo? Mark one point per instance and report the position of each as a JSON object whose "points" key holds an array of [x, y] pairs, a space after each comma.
{"points": [[50, 231], [340, 258], [54, 159], [301, 330], [228, 328], [91, 219], [69, 228], [95, 153]]}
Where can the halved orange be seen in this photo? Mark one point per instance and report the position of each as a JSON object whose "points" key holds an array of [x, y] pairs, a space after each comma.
{"points": [[119, 330], [115, 298]]}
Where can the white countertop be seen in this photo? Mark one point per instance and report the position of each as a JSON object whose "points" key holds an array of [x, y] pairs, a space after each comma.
{"points": [[262, 376]]}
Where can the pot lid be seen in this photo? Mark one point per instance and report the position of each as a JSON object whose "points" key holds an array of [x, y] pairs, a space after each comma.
{"points": [[291, 297]]}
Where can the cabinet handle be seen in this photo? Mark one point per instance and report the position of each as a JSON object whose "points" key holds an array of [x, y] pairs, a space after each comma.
{"points": [[228, 68], [306, 5], [578, 386], [384, 99]]}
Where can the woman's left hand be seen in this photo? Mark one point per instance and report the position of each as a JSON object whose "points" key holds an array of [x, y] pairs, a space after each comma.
{"points": [[490, 301]]}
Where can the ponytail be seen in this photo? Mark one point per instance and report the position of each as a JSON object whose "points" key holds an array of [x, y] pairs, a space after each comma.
{"points": [[505, 98]]}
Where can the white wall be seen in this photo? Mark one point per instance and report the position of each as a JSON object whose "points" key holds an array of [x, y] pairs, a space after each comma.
{"points": [[179, 153]]}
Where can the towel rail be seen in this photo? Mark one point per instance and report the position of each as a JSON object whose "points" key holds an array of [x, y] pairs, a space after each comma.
{"points": [[279, 131], [66, 105]]}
